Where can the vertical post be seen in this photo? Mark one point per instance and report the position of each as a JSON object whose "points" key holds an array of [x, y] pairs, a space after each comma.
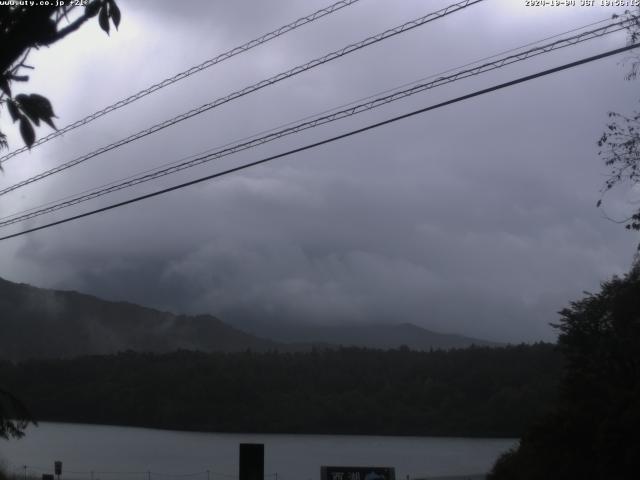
{"points": [[148, 475], [251, 461], [57, 468], [208, 475], [91, 474], [25, 472]]}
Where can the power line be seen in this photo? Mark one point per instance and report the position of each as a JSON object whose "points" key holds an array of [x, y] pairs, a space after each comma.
{"points": [[252, 88], [331, 139], [354, 102], [321, 120], [187, 73]]}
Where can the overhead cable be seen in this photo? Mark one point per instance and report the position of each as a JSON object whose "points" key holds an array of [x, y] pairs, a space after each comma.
{"points": [[321, 120], [187, 73], [247, 90], [308, 117], [328, 140]]}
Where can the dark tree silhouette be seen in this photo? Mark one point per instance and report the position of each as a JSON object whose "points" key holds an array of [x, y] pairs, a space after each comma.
{"points": [[14, 417], [593, 432], [23, 28]]}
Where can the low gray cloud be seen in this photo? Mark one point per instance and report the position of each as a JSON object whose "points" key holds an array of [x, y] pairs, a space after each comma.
{"points": [[477, 219]]}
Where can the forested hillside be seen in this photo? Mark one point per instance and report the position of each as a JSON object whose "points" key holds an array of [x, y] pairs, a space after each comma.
{"points": [[38, 323], [470, 392], [43, 323]]}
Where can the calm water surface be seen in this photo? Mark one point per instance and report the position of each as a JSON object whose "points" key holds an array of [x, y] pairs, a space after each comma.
{"points": [[170, 455]]}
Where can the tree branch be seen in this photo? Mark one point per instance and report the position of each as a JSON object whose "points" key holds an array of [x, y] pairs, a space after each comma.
{"points": [[72, 27]]}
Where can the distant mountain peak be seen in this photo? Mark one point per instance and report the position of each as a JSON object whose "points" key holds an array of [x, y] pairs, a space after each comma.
{"points": [[372, 335]]}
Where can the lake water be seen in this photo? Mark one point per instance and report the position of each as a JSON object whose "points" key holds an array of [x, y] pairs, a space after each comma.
{"points": [[124, 453]]}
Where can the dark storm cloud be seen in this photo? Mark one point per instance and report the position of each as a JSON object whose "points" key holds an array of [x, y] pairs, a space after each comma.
{"points": [[476, 219]]}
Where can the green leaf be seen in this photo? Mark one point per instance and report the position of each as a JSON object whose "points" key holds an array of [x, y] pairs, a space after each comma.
{"points": [[92, 9], [27, 107], [4, 86], [37, 108], [103, 19], [42, 105], [3, 144], [13, 110], [49, 122], [114, 11], [27, 132]]}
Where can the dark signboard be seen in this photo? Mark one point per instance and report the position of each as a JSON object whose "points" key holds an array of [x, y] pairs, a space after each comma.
{"points": [[357, 473], [47, 476], [57, 466], [251, 461]]}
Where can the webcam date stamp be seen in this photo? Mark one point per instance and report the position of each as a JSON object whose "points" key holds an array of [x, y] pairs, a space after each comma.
{"points": [[46, 3], [582, 3]]}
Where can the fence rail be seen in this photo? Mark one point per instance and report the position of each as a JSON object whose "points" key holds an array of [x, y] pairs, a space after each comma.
{"points": [[474, 476], [32, 472]]}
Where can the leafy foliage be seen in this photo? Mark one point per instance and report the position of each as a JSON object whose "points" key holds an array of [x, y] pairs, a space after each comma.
{"points": [[14, 416], [25, 27], [593, 431], [620, 142], [467, 392], [620, 145]]}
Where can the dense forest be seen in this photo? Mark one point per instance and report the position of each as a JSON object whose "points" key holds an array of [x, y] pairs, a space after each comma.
{"points": [[478, 391], [592, 430]]}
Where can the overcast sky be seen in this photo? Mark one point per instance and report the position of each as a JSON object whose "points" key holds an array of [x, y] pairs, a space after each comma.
{"points": [[478, 218]]}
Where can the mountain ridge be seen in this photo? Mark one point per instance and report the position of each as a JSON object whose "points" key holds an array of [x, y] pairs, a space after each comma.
{"points": [[370, 335], [38, 323], [44, 323]]}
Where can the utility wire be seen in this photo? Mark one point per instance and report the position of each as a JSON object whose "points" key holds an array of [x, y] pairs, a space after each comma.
{"points": [[123, 182], [187, 73], [404, 85], [200, 158], [352, 110], [331, 139], [252, 88], [354, 102]]}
